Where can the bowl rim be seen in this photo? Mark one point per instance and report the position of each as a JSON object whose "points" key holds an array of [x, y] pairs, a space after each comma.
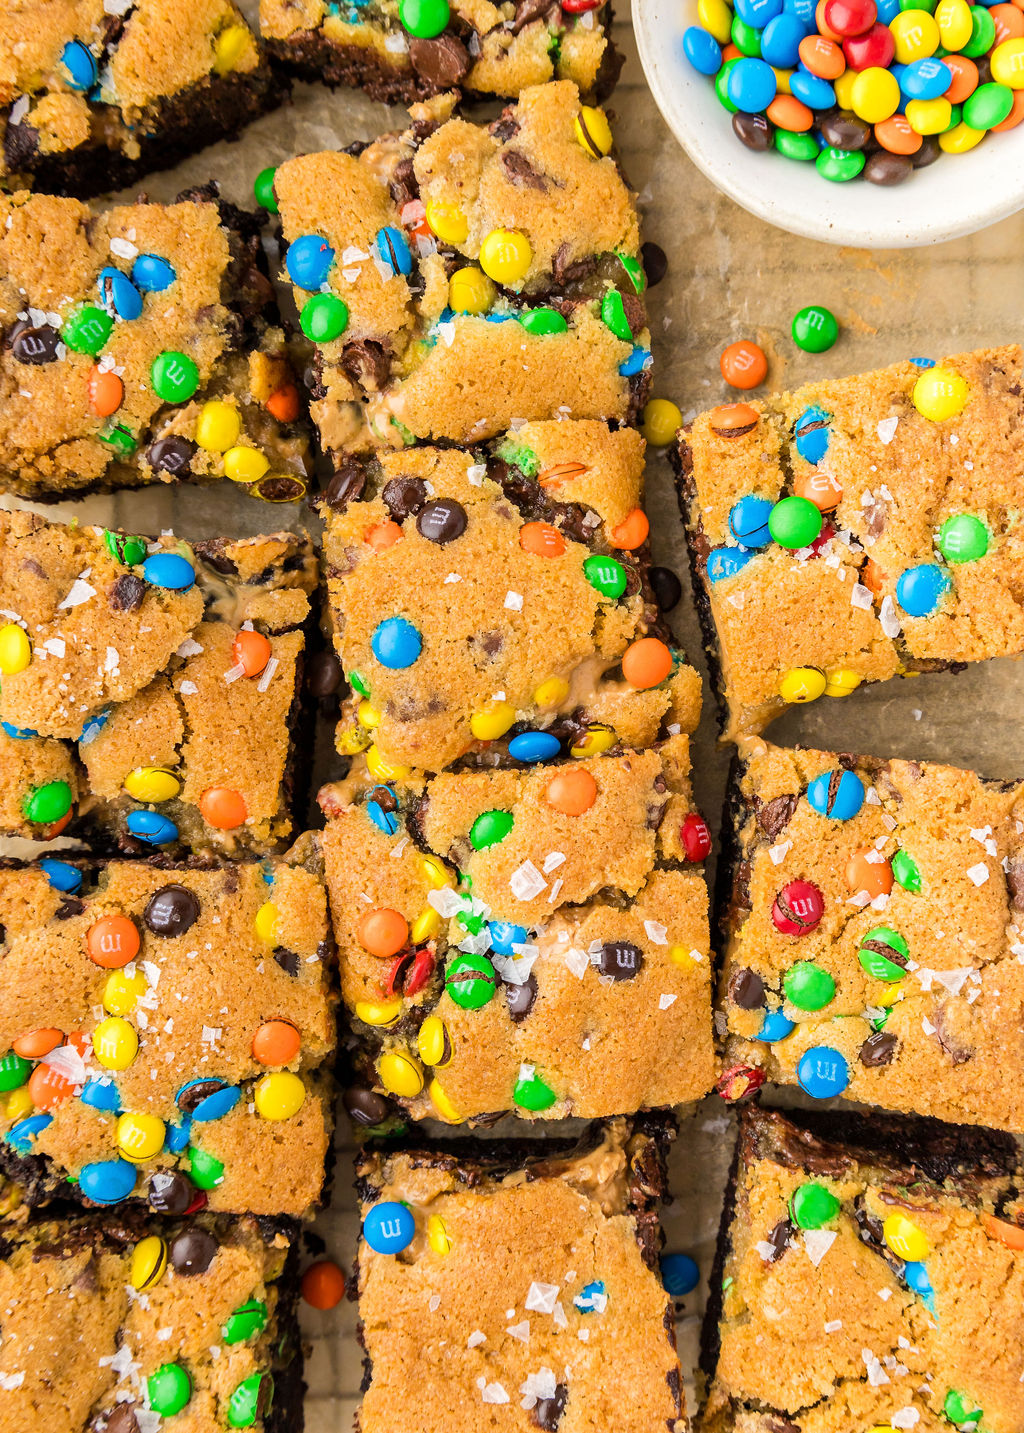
{"points": [[836, 215]]}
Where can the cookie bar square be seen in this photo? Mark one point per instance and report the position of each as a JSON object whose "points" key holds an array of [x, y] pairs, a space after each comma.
{"points": [[857, 529], [869, 1276], [498, 601], [168, 1030], [528, 941], [95, 94], [140, 345], [517, 1280], [141, 676], [111, 1323], [481, 49], [458, 279], [870, 931]]}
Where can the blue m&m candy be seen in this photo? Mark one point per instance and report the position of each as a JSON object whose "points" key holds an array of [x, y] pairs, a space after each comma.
{"points": [[151, 827], [220, 1101], [814, 92], [812, 434], [726, 562], [79, 65], [21, 1136], [17, 733], [925, 79], [152, 274], [118, 291], [309, 261], [679, 1274], [592, 1298], [748, 521], [101, 1095], [177, 1137], [168, 569], [917, 1278], [389, 1228], [823, 1072], [751, 85], [61, 875], [757, 13], [780, 43], [396, 643], [534, 746], [108, 1181], [920, 589], [93, 726], [393, 250], [803, 10], [637, 361], [836, 794], [504, 935], [702, 50], [385, 820], [774, 1026]]}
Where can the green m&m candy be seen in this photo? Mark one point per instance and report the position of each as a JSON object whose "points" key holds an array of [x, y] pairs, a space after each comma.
{"points": [[247, 1320], [801, 147], [606, 574], [883, 953], [168, 1390], [958, 1408], [988, 106], [983, 35], [489, 828], [87, 330], [807, 986], [794, 522], [251, 1400], [906, 872], [540, 321], [471, 981], [746, 38], [324, 318], [424, 18], [812, 1205], [358, 684], [174, 376], [129, 550], [207, 1171], [264, 189], [814, 329], [613, 316], [963, 538], [14, 1071], [47, 803], [119, 437], [839, 165], [634, 269], [722, 89], [531, 1093]]}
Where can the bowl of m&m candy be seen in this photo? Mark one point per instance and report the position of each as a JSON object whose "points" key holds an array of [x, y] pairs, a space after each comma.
{"points": [[879, 123]]}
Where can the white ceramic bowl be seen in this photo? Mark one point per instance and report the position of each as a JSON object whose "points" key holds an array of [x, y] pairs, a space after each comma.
{"points": [[958, 194]]}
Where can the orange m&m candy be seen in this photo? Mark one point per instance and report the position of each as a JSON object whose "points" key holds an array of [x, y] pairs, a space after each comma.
{"points": [[646, 663], [251, 651], [541, 539], [822, 26], [1009, 22], [822, 57], [383, 535], [223, 807], [819, 488], [1012, 1235], [896, 135], [276, 1042], [867, 870], [965, 76], [34, 1044], [789, 113], [106, 391], [283, 403], [572, 792], [1015, 116], [112, 941], [383, 932], [743, 364], [323, 1285], [48, 1087], [632, 530]]}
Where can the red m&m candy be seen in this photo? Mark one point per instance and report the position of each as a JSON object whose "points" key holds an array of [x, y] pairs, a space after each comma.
{"points": [[695, 836], [798, 908]]}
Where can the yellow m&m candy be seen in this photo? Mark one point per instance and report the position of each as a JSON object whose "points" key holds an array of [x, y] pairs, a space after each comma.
{"points": [[906, 1239], [940, 393], [505, 256], [15, 649], [279, 1096]]}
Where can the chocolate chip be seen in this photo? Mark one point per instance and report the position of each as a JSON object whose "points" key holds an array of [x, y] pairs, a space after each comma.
{"points": [[547, 1412], [633, 308], [347, 484], [367, 364], [746, 989], [529, 10], [441, 61], [402, 183], [521, 172], [655, 262], [169, 1192], [121, 1419], [845, 131], [68, 908], [287, 960], [365, 1107], [171, 455], [35, 345], [194, 1094], [949, 1037], [753, 130], [520, 998], [192, 1252], [404, 496], [1015, 881], [171, 911], [888, 169], [781, 1425], [779, 1238], [878, 1049], [442, 521], [666, 586], [278, 488], [620, 959], [21, 143], [323, 675], [773, 816], [127, 593]]}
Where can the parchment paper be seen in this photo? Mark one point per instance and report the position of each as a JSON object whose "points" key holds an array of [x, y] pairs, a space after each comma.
{"points": [[730, 276]]}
